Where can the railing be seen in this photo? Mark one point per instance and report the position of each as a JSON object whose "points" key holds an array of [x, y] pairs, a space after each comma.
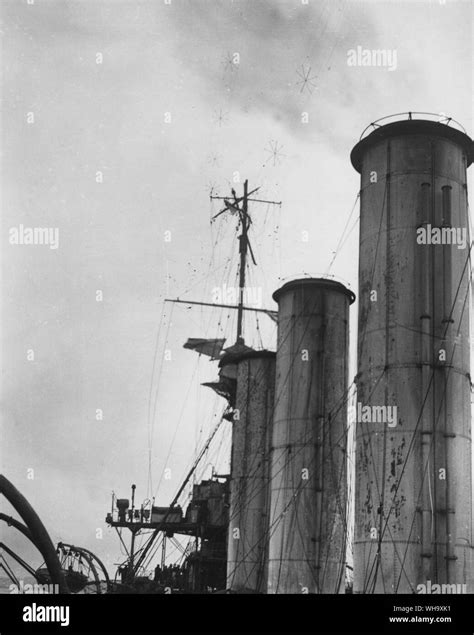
{"points": [[439, 117]]}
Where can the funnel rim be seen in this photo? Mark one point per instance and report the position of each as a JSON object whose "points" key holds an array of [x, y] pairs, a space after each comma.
{"points": [[322, 283], [412, 127]]}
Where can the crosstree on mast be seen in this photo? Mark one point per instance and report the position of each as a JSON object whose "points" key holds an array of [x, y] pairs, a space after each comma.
{"points": [[239, 205]]}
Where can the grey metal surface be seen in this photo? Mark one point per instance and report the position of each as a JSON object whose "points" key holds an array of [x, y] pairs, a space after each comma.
{"points": [[251, 435], [413, 509], [308, 461]]}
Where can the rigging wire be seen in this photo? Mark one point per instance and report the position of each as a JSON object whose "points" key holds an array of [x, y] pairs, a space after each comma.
{"points": [[228, 266], [336, 409], [426, 468], [149, 421], [155, 404], [414, 434], [341, 239]]}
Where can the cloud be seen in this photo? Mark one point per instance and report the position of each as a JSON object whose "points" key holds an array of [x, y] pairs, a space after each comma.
{"points": [[277, 45]]}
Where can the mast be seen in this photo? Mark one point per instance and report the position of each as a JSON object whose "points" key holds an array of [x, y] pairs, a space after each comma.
{"points": [[240, 206], [243, 246]]}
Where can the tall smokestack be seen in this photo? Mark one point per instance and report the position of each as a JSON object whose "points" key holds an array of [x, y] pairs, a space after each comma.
{"points": [[251, 436], [307, 531], [413, 511]]}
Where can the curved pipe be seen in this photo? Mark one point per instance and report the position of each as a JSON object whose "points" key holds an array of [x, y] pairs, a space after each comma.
{"points": [[40, 536], [19, 560], [12, 522]]}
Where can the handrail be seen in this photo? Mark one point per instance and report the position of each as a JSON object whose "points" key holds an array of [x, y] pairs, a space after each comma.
{"points": [[439, 117]]}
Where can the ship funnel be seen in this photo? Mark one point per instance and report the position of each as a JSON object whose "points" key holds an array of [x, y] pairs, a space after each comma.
{"points": [[308, 523], [413, 509], [254, 373]]}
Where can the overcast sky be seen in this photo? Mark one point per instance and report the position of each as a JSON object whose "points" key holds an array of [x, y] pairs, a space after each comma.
{"points": [[118, 119]]}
